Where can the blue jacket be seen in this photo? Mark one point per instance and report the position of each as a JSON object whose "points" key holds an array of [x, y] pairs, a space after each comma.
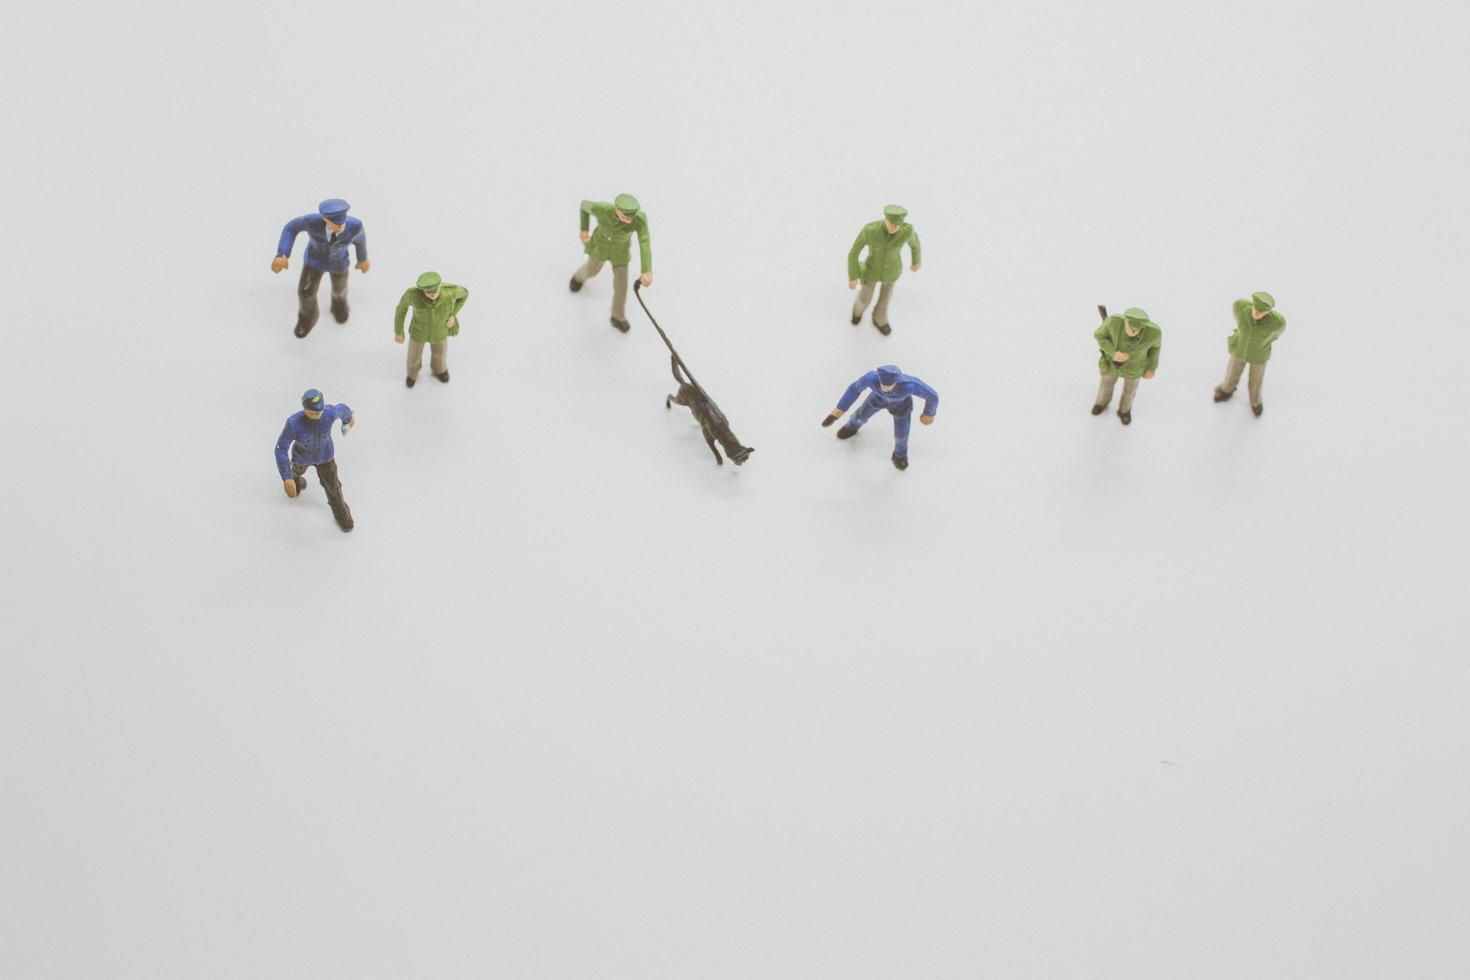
{"points": [[320, 253], [907, 386], [309, 441]]}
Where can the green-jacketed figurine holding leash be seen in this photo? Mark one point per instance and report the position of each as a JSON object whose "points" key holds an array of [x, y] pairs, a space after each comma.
{"points": [[1128, 346], [884, 241], [1257, 325], [609, 242], [436, 305]]}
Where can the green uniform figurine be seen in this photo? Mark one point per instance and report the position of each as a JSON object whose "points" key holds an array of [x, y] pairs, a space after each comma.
{"points": [[1129, 346], [436, 305], [1257, 325], [884, 241], [609, 242]]}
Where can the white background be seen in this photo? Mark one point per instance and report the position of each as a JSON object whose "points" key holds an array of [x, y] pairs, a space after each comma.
{"points": [[1064, 700]]}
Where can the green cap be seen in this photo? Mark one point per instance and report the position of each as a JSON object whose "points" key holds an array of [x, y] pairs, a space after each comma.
{"points": [[1134, 315], [895, 214], [626, 203], [429, 281], [1263, 301]]}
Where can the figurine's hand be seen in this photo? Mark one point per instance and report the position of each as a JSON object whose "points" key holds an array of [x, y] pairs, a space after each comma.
{"points": [[646, 279], [349, 425], [1148, 374], [927, 419], [398, 338], [278, 263], [363, 265], [451, 321], [290, 488], [914, 267], [1119, 357], [852, 284], [584, 235]]}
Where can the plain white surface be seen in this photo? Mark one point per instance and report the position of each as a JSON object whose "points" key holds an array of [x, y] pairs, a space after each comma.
{"points": [[1064, 700]]}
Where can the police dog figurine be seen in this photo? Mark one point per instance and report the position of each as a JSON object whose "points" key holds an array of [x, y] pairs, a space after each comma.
{"points": [[712, 422]]}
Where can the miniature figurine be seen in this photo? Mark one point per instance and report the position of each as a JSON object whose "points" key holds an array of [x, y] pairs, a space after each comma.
{"points": [[328, 233], [893, 390], [884, 241], [616, 222], [436, 305], [712, 422], [1129, 347], [1257, 325], [307, 441]]}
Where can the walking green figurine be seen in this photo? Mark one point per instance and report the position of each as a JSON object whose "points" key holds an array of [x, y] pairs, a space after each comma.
{"points": [[608, 242], [1129, 345], [436, 305], [1257, 325], [884, 241]]}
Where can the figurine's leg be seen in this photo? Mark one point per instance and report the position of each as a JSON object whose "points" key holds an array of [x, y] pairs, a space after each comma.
{"points": [[1105, 391], [439, 358], [339, 296], [591, 268], [306, 289], [1253, 383], [902, 419], [1232, 376], [864, 412], [327, 473], [709, 440], [1125, 404], [415, 357], [620, 293], [298, 473], [880, 312], [864, 297]]}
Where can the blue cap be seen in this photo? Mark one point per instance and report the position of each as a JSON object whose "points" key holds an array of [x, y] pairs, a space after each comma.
{"points": [[334, 209], [313, 401], [888, 374]]}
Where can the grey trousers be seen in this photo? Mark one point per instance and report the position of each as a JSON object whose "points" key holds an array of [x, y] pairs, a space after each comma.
{"points": [[438, 357], [306, 290], [1253, 382], [620, 284], [1105, 391], [865, 296]]}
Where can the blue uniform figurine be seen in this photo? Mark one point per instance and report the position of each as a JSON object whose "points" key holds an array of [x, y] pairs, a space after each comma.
{"points": [[329, 232], [307, 441], [893, 390]]}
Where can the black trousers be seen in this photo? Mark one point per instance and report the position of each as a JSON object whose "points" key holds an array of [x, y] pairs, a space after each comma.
{"points": [[306, 290], [327, 474]]}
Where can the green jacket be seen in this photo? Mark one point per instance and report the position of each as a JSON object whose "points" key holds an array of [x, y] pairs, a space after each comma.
{"points": [[1253, 338], [884, 263], [430, 316], [1142, 351], [609, 241]]}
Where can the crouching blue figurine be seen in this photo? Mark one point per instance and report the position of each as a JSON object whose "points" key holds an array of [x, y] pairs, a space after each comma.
{"points": [[307, 441], [893, 390]]}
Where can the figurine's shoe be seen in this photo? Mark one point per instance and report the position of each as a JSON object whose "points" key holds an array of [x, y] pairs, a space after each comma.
{"points": [[619, 324], [410, 382], [344, 518], [847, 432], [884, 328], [575, 285], [300, 483], [741, 456], [303, 328], [339, 310], [901, 462], [444, 377], [856, 319], [1125, 417], [1099, 409], [1221, 395], [1258, 409]]}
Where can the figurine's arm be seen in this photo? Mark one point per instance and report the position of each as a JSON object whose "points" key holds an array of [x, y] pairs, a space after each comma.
{"points": [[283, 449], [1278, 331], [1151, 362], [915, 251], [399, 314], [293, 228], [345, 416], [852, 258], [1104, 338], [931, 399], [645, 249], [585, 213], [856, 388], [360, 244], [461, 294]]}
